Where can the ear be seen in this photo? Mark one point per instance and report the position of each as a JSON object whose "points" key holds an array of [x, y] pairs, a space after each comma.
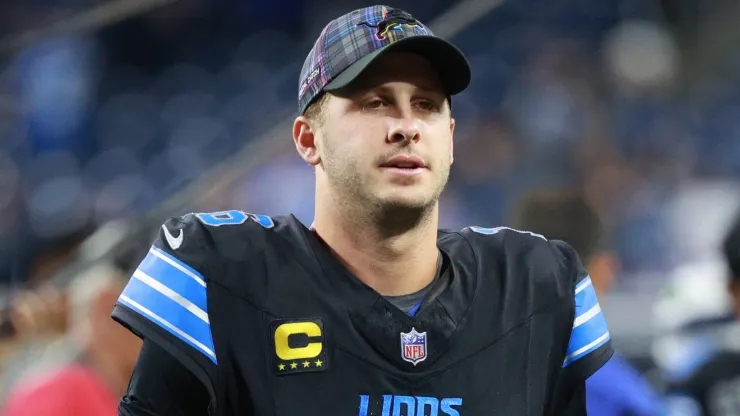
{"points": [[452, 139], [304, 137]]}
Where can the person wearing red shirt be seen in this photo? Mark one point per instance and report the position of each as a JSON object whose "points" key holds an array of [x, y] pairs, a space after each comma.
{"points": [[92, 384]]}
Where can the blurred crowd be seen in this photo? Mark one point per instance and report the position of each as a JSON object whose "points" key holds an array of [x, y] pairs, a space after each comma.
{"points": [[632, 103]]}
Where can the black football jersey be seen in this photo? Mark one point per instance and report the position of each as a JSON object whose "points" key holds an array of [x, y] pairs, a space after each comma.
{"points": [[272, 323], [709, 381]]}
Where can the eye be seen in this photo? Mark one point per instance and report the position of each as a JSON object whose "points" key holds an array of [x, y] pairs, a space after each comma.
{"points": [[374, 104], [427, 105]]}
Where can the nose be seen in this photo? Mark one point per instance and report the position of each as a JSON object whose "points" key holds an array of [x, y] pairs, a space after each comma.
{"points": [[404, 130]]}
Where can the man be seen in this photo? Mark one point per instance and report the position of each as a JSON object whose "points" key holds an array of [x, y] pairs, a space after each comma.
{"points": [[92, 383], [616, 389], [372, 311], [709, 382], [38, 317]]}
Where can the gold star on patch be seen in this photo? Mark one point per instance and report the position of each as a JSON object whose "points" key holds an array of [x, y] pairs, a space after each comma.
{"points": [[306, 364], [281, 367], [293, 366], [319, 363]]}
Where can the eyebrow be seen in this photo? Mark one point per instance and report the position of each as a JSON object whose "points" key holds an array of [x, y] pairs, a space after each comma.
{"points": [[362, 87]]}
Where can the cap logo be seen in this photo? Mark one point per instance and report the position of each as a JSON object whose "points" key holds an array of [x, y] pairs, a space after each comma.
{"points": [[392, 20]]}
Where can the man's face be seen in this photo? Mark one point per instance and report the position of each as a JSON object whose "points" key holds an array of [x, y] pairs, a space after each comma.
{"points": [[387, 139]]}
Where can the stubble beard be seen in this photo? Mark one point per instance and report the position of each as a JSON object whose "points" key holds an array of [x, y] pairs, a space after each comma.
{"points": [[389, 215]]}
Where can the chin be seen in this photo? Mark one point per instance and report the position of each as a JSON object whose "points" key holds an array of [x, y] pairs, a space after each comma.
{"points": [[408, 199]]}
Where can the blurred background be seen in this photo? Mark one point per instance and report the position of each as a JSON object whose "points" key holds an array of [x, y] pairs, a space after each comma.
{"points": [[115, 115]]}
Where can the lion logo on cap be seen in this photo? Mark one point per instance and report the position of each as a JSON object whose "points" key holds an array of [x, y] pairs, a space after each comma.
{"points": [[391, 20]]}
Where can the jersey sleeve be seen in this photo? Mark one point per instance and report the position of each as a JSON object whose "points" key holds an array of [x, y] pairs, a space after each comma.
{"points": [[571, 402], [161, 385], [589, 345], [165, 301]]}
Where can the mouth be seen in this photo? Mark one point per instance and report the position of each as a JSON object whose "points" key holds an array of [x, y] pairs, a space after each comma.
{"points": [[405, 165]]}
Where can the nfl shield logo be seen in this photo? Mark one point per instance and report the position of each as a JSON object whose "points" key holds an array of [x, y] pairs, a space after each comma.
{"points": [[414, 346]]}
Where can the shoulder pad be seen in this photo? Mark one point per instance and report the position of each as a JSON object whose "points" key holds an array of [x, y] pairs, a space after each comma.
{"points": [[166, 298], [186, 239], [233, 217], [199, 239], [236, 235], [555, 265], [553, 254]]}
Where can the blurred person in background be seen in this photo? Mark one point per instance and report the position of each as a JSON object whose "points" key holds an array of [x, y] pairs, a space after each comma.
{"points": [[92, 383], [709, 381], [617, 389], [37, 319]]}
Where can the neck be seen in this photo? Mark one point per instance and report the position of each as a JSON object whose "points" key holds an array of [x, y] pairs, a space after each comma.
{"points": [[395, 253]]}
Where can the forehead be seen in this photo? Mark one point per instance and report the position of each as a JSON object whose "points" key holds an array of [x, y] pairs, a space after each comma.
{"points": [[399, 67]]}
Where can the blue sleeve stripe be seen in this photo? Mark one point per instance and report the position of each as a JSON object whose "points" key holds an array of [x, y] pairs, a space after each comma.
{"points": [[170, 294], [174, 262], [169, 273], [589, 325], [587, 316], [587, 331], [589, 335], [577, 355], [155, 302], [586, 302], [583, 284]]}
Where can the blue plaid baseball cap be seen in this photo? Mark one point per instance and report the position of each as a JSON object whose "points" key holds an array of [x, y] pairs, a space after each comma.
{"points": [[350, 43]]}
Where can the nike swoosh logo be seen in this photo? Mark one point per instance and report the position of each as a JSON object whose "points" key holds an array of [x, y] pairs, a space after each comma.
{"points": [[174, 242]]}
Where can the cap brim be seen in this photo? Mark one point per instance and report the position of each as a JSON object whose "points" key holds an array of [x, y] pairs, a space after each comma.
{"points": [[449, 61]]}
